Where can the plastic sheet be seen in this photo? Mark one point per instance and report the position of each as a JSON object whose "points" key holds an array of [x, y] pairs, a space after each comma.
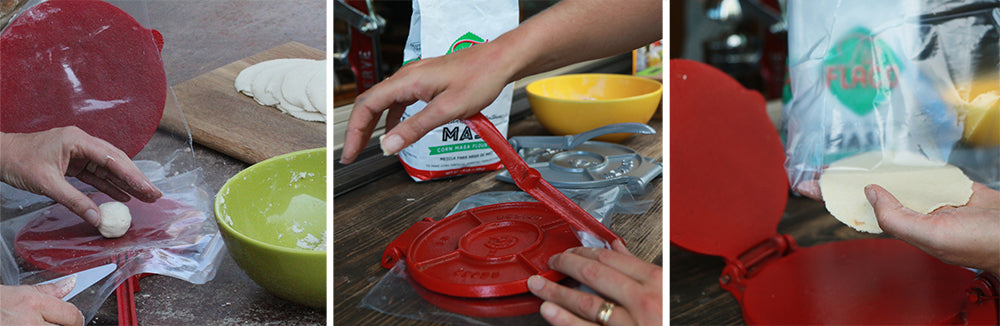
{"points": [[398, 295], [917, 76], [175, 236]]}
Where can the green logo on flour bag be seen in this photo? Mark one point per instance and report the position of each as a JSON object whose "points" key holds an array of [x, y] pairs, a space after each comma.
{"points": [[860, 70], [466, 41]]}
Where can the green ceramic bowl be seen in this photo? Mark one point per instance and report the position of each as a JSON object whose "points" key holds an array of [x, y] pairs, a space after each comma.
{"points": [[272, 217]]}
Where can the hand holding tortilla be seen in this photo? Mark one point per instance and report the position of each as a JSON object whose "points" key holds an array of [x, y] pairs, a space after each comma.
{"points": [[39, 304], [633, 288], [968, 235], [37, 162], [920, 184]]}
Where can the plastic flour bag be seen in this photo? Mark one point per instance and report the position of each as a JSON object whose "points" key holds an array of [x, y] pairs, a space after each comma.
{"points": [[440, 27], [917, 76]]}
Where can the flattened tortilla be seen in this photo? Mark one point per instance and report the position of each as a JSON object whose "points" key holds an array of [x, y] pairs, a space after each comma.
{"points": [[920, 184]]}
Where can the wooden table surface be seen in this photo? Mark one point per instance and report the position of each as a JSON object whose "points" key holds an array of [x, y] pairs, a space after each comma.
{"points": [[368, 218]]}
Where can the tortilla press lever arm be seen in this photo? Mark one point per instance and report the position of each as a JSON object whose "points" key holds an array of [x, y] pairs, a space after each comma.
{"points": [[572, 141], [530, 180], [394, 252]]}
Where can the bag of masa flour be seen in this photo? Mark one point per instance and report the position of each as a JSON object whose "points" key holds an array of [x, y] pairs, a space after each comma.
{"points": [[440, 27]]}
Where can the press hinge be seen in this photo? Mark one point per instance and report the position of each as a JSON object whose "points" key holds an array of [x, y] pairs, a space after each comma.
{"points": [[750, 262]]}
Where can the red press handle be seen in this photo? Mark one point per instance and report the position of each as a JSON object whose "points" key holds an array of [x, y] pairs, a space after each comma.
{"points": [[529, 180]]}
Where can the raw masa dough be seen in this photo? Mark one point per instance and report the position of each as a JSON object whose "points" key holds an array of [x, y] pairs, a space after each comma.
{"points": [[115, 219], [920, 184], [293, 86]]}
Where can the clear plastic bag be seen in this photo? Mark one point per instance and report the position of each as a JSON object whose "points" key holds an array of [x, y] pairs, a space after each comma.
{"points": [[918, 76], [176, 236], [398, 295]]}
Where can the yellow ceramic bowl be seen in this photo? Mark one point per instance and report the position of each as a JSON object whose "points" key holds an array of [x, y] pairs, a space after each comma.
{"points": [[571, 104], [272, 217]]}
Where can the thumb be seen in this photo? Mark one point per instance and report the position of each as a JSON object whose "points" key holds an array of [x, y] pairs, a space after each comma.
{"points": [[894, 218], [59, 288]]}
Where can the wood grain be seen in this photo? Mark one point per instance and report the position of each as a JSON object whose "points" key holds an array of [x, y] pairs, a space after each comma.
{"points": [[221, 118]]}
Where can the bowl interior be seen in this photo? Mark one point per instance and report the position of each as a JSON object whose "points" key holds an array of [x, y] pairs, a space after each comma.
{"points": [[593, 87], [280, 201]]}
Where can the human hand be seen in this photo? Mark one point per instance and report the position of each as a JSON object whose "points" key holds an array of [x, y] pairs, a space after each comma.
{"points": [[37, 162], [455, 86], [39, 304], [635, 286], [967, 235]]}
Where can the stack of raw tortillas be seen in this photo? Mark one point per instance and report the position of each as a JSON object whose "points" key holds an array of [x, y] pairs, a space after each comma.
{"points": [[294, 86], [920, 184]]}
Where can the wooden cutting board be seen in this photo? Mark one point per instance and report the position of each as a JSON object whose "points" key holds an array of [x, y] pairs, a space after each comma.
{"points": [[222, 119]]}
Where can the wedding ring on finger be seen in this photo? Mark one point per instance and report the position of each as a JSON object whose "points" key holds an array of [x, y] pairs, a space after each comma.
{"points": [[92, 167], [604, 314]]}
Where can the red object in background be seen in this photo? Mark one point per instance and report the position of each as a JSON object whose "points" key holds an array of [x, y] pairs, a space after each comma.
{"points": [[729, 189], [82, 63], [363, 55], [774, 58]]}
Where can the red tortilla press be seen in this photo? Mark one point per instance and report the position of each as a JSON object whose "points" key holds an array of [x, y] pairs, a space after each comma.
{"points": [[728, 192], [490, 251], [86, 64]]}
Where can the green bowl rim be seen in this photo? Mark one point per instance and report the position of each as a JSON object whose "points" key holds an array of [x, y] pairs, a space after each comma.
{"points": [[238, 234], [659, 88]]}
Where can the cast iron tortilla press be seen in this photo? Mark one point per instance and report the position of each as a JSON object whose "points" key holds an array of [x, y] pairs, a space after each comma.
{"points": [[82, 63], [729, 190], [490, 251]]}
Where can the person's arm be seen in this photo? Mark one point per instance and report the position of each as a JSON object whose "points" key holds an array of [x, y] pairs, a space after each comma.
{"points": [[39, 162], [967, 235], [632, 288], [458, 85], [39, 304]]}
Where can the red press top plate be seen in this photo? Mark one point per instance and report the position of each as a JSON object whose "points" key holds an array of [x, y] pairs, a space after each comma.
{"points": [[82, 63], [727, 184], [59, 240], [858, 282], [488, 251]]}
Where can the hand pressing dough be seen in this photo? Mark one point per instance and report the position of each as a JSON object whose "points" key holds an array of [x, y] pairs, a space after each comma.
{"points": [[115, 219], [920, 184]]}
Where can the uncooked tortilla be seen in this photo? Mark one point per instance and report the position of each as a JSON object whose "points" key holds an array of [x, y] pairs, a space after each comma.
{"points": [[284, 84], [920, 184]]}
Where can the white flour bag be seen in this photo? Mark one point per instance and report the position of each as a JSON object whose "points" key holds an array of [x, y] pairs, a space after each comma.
{"points": [[440, 27]]}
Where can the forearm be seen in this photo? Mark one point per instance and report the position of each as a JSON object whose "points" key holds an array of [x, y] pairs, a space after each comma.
{"points": [[578, 30]]}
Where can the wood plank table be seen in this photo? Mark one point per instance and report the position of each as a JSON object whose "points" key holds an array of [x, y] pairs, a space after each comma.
{"points": [[369, 217]]}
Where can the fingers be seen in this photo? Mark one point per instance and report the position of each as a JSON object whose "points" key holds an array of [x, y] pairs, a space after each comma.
{"points": [[368, 109], [58, 289], [55, 310], [57, 188], [565, 306], [615, 270], [896, 219], [810, 188], [111, 164]]}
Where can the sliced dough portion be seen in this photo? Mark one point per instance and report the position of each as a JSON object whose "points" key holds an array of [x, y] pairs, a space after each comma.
{"points": [[920, 184], [267, 83], [293, 86], [245, 78], [316, 90]]}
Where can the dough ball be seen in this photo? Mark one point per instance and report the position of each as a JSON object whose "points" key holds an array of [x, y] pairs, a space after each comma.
{"points": [[918, 183], [115, 219]]}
